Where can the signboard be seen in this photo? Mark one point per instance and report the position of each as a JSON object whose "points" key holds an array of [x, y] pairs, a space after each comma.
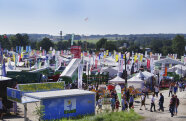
{"points": [[14, 95], [76, 51], [70, 106], [38, 87]]}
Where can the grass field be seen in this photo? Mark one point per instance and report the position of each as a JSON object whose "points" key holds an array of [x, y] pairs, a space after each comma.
{"points": [[112, 116]]}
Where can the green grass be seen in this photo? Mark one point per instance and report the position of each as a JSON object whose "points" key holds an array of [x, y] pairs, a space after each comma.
{"points": [[112, 116]]}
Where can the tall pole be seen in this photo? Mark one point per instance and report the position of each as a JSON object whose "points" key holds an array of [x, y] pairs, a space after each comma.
{"points": [[125, 73], [61, 35]]}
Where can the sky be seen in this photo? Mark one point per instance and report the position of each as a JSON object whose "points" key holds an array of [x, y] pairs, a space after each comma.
{"points": [[92, 16]]}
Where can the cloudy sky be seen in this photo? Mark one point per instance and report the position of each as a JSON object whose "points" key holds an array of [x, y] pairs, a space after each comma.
{"points": [[92, 16]]}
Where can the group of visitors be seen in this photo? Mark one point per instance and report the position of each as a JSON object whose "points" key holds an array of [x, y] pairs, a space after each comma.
{"points": [[173, 106]]}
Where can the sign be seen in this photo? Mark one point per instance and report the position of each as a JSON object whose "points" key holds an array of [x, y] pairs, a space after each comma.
{"points": [[14, 95], [38, 87], [76, 51], [118, 91], [70, 106]]}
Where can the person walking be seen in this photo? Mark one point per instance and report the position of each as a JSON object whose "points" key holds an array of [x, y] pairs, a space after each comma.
{"points": [[143, 101], [161, 101], [177, 102], [153, 103], [172, 105], [180, 86], [156, 90], [117, 105], [113, 103], [100, 103], [131, 101], [170, 90], [175, 88], [124, 103]]}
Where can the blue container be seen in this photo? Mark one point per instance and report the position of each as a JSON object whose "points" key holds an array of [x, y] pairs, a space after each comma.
{"points": [[66, 103]]}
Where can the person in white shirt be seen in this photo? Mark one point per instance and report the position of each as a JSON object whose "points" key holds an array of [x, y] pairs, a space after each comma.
{"points": [[152, 103], [143, 101], [156, 91], [100, 103]]}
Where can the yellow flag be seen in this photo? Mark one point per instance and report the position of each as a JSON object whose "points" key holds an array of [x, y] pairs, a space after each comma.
{"points": [[14, 58], [21, 55], [104, 55], [141, 57], [123, 56], [117, 57], [135, 58], [107, 52]]}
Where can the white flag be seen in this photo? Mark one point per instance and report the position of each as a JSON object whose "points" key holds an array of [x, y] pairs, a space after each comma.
{"points": [[80, 76]]}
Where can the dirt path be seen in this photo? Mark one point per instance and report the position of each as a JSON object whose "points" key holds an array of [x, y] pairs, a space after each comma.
{"points": [[163, 116], [150, 116]]}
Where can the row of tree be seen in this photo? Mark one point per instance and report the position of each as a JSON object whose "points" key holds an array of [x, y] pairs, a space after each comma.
{"points": [[164, 46]]}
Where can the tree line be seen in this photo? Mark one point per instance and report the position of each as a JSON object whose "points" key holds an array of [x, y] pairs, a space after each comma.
{"points": [[157, 45]]}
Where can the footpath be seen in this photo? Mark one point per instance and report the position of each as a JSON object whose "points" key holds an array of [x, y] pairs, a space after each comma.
{"points": [[159, 115]]}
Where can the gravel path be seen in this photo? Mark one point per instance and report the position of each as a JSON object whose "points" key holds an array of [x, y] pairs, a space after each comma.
{"points": [[150, 116], [163, 116]]}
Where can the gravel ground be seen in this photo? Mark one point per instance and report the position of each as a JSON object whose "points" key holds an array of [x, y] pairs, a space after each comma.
{"points": [[149, 116]]}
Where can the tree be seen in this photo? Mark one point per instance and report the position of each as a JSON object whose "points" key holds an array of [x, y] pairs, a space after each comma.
{"points": [[20, 40], [5, 43], [46, 43], [178, 45], [101, 43], [110, 45], [156, 45]]}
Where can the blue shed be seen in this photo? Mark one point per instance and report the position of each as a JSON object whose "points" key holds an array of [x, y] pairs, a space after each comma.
{"points": [[65, 103]]}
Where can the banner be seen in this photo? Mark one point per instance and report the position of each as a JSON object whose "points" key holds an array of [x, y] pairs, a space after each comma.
{"points": [[117, 57], [118, 91], [148, 64], [120, 65], [80, 76], [72, 39]]}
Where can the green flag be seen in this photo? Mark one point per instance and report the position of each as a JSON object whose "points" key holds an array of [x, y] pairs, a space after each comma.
{"points": [[118, 91]]}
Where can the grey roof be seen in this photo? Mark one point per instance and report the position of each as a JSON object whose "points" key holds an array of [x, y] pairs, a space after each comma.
{"points": [[58, 93], [169, 61]]}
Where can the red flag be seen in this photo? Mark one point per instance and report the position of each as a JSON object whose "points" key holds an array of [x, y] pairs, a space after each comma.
{"points": [[96, 63], [148, 64]]}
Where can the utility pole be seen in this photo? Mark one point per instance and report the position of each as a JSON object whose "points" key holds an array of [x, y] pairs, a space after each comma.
{"points": [[61, 35]]}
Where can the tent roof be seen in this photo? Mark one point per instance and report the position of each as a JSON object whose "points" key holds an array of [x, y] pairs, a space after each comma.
{"points": [[147, 74], [180, 67], [169, 60], [117, 79], [140, 75], [2, 78], [71, 68], [135, 79]]}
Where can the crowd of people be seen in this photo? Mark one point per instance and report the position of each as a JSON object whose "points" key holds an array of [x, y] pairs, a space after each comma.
{"points": [[127, 100]]}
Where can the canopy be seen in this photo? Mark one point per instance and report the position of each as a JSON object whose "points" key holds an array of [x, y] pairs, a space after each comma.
{"points": [[117, 79], [147, 74], [140, 75], [135, 79], [135, 82]]}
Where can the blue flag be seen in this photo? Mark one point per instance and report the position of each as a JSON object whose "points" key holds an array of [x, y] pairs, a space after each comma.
{"points": [[3, 69]]}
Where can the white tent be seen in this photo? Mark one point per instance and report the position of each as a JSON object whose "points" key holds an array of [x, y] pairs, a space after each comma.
{"points": [[136, 82], [112, 70], [147, 74], [140, 75], [117, 79]]}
